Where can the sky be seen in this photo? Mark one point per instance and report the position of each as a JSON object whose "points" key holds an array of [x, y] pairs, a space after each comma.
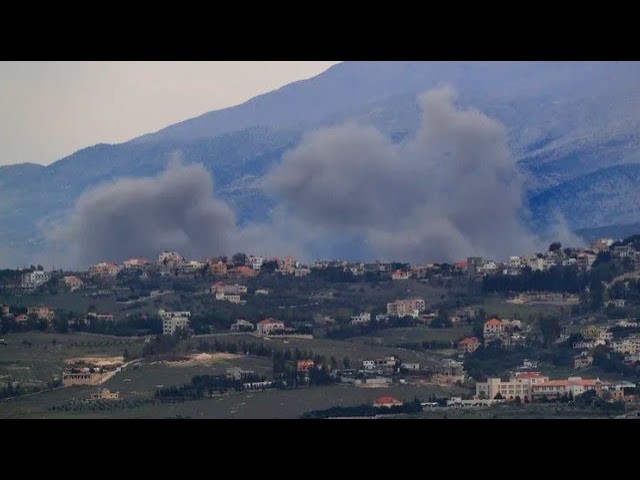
{"points": [[48, 110]]}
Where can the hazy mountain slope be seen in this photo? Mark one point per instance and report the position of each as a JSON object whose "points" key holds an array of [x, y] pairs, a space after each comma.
{"points": [[595, 199]]}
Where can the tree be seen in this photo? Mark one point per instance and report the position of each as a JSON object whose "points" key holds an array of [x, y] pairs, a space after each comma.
{"points": [[239, 259], [346, 362], [270, 266], [549, 328], [333, 362]]}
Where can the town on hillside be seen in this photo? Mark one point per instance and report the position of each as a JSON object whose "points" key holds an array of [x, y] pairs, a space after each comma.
{"points": [[555, 333]]}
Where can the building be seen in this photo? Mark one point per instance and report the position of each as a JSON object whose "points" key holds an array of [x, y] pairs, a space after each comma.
{"points": [[6, 310], [304, 365], [468, 345], [255, 262], [558, 388], [400, 275], [268, 326], [449, 371], [171, 321], [136, 264], [287, 264], [105, 394], [103, 269], [583, 360], [360, 319], [42, 313], [381, 364], [493, 328], [81, 376], [262, 291], [234, 289], [107, 317], [629, 345], [242, 325], [236, 373], [585, 260], [170, 257], [410, 307], [72, 282], [32, 280], [21, 318], [617, 303], [219, 268], [241, 272], [387, 402], [474, 265], [520, 385], [228, 297]]}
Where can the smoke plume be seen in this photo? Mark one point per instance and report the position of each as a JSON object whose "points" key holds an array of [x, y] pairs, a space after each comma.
{"points": [[135, 217], [451, 191]]}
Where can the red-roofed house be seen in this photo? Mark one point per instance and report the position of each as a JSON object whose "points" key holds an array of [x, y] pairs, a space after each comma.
{"points": [[493, 328], [461, 265], [468, 345], [104, 269], [241, 272], [400, 275], [268, 326], [387, 402]]}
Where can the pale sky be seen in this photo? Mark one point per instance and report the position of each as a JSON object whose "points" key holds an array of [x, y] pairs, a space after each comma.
{"points": [[49, 110]]}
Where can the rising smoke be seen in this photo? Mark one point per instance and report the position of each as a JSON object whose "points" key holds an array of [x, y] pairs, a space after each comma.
{"points": [[135, 217], [451, 191]]}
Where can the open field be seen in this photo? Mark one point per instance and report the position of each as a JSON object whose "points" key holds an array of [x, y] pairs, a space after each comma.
{"points": [[497, 305], [33, 358], [268, 404], [356, 351], [398, 336]]}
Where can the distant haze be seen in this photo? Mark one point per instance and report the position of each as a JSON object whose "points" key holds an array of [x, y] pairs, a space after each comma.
{"points": [[51, 109]]}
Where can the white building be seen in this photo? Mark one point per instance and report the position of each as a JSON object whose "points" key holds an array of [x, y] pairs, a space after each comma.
{"points": [[361, 318], [170, 257], [268, 326], [256, 262], [242, 325], [520, 385], [35, 279], [235, 289], [171, 321]]}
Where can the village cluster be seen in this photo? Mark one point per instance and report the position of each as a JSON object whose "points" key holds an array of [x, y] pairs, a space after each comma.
{"points": [[525, 384]]}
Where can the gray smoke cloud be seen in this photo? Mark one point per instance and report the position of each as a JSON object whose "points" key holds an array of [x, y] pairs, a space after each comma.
{"points": [[451, 191], [135, 217]]}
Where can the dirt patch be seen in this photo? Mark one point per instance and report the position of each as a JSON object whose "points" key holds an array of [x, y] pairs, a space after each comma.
{"points": [[98, 361], [201, 359]]}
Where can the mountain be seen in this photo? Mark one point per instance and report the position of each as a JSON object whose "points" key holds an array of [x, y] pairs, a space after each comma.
{"points": [[593, 200], [570, 124]]}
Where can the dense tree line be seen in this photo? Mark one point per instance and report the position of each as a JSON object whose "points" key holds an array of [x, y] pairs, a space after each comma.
{"points": [[364, 410], [556, 279]]}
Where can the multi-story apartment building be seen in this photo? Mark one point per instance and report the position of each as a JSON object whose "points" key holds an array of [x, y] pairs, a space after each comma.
{"points": [[171, 321], [410, 307], [35, 279], [520, 385]]}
